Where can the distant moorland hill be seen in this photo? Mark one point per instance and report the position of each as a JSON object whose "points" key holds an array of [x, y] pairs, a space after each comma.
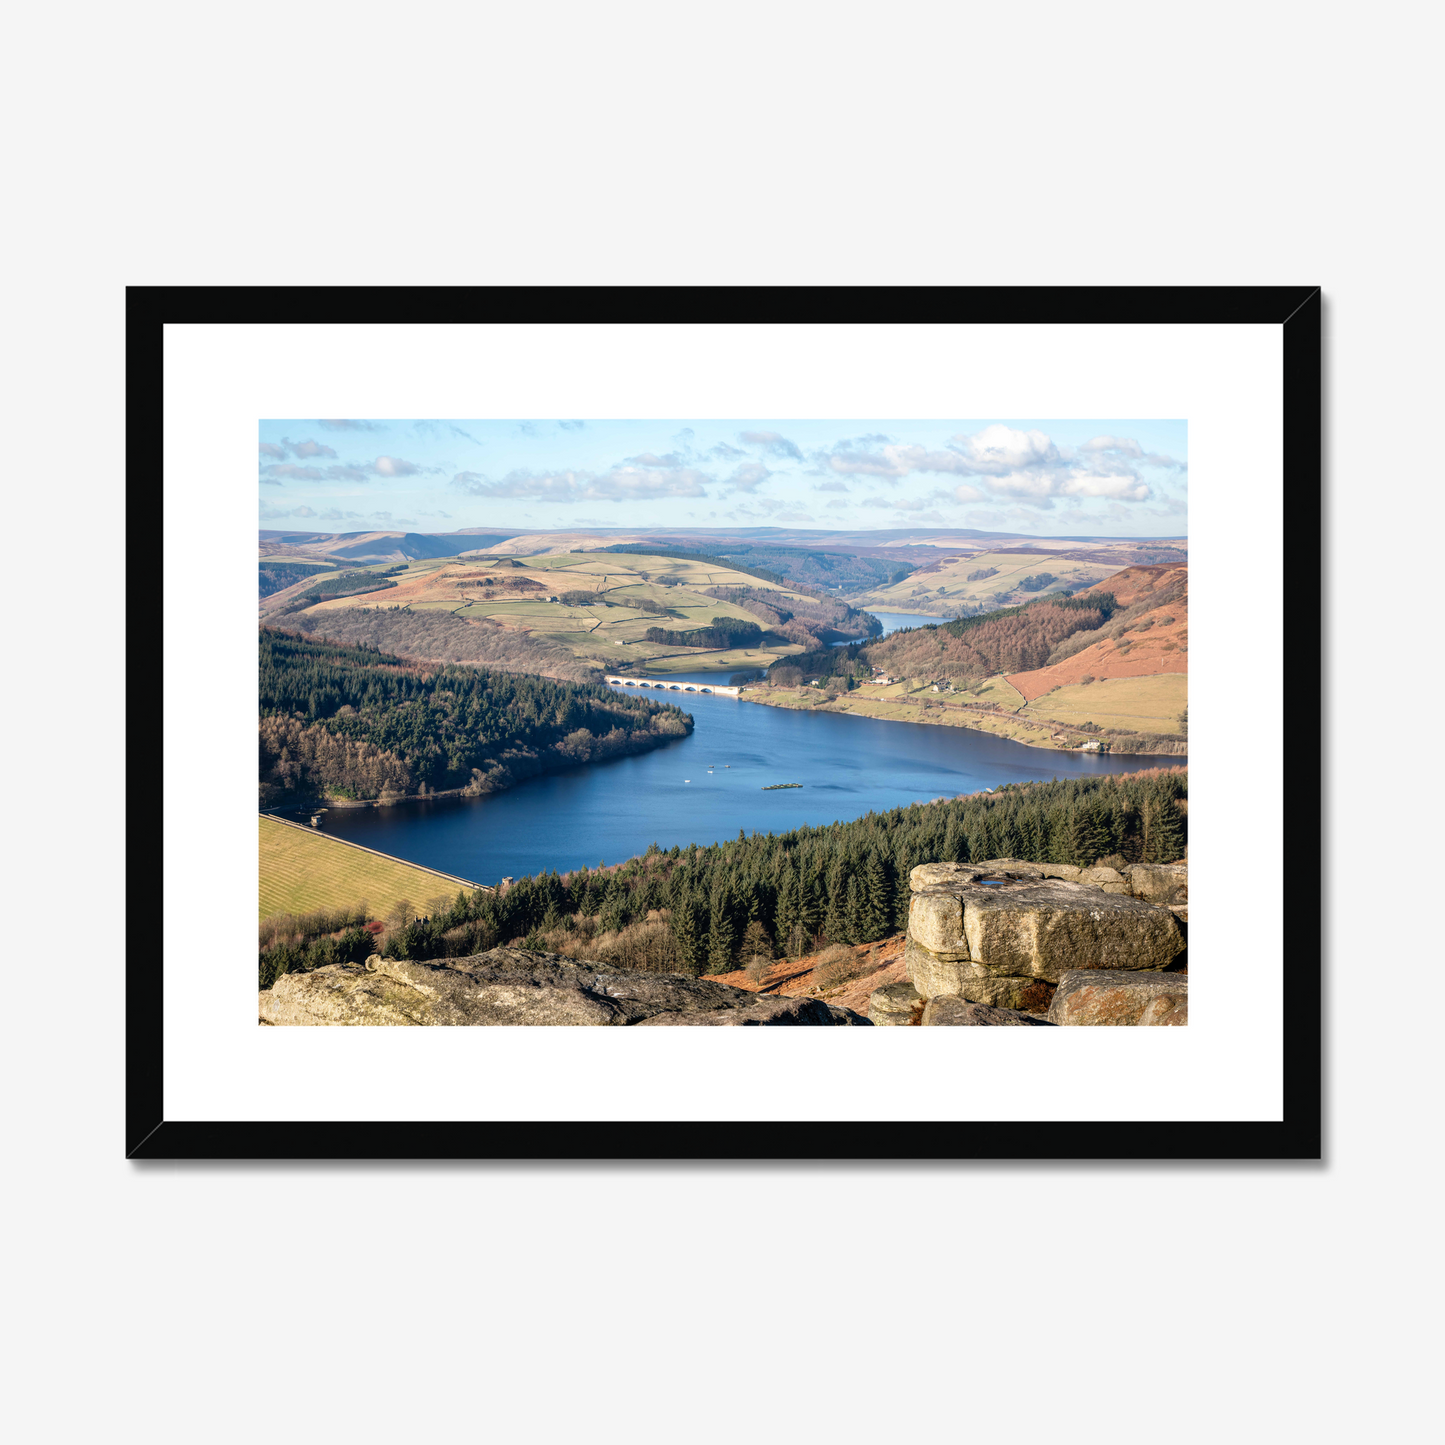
{"points": [[933, 570], [564, 615], [1105, 667]]}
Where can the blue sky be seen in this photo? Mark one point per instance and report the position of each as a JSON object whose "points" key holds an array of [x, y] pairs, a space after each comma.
{"points": [[1104, 477]]}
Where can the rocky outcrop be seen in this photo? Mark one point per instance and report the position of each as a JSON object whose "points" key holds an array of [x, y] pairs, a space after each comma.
{"points": [[1001, 934], [936, 977], [511, 987], [950, 1012], [1044, 928], [1035, 927], [1164, 884], [898, 1003], [1115, 996]]}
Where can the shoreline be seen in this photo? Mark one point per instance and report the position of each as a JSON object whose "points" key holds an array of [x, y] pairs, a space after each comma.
{"points": [[507, 765], [961, 717]]}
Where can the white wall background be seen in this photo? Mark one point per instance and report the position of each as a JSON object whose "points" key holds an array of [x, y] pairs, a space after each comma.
{"points": [[780, 143]]}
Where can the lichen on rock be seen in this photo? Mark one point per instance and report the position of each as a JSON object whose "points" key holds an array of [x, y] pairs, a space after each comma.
{"points": [[513, 987]]}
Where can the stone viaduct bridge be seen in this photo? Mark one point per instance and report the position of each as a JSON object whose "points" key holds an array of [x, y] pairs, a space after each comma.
{"points": [[664, 686]]}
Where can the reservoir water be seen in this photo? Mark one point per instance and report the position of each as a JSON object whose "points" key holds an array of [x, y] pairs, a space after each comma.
{"points": [[892, 621], [704, 788]]}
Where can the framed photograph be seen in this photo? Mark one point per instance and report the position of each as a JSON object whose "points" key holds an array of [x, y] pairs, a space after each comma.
{"points": [[641, 672]]}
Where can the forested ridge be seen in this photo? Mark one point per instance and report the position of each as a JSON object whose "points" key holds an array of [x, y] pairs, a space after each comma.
{"points": [[724, 632], [274, 576], [803, 619], [362, 723], [797, 567], [826, 571], [328, 589], [700, 910], [438, 637], [1011, 639]]}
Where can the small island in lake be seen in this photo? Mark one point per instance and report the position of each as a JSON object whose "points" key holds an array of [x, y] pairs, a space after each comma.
{"points": [[773, 787]]}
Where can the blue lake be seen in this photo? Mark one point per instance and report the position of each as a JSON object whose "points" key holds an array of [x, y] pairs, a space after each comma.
{"points": [[704, 788], [892, 621]]}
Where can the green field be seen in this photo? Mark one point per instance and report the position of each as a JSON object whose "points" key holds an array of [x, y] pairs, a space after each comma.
{"points": [[607, 633], [938, 592], [302, 872], [1140, 704]]}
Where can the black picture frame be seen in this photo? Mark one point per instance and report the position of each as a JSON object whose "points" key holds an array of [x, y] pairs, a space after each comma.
{"points": [[1296, 309]]}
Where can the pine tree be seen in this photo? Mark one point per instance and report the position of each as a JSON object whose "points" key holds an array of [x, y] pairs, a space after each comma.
{"points": [[810, 902], [1036, 836], [853, 902], [1100, 839], [1076, 838], [687, 933], [749, 899], [835, 924], [722, 935], [1163, 829], [902, 889], [1116, 824], [786, 915], [875, 909]]}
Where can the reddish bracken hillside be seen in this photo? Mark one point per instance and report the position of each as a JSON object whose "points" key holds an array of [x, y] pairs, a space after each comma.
{"points": [[1135, 584], [1146, 641], [825, 975]]}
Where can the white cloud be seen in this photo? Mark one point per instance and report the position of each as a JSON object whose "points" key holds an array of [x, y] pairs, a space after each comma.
{"points": [[1000, 450], [774, 443], [307, 449], [351, 425], [301, 450], [868, 464], [277, 472], [621, 484], [1127, 447], [1027, 467], [749, 477], [651, 459], [277, 514], [395, 467], [914, 506]]}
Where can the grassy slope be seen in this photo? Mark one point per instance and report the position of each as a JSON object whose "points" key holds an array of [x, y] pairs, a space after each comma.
{"points": [[302, 872], [1142, 704], [922, 705], [920, 592], [612, 636]]}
